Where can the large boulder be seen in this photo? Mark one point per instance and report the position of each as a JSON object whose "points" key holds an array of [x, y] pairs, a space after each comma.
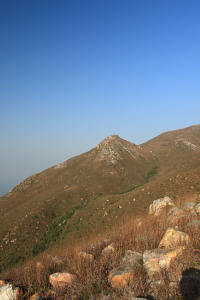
{"points": [[9, 292], [157, 207], [173, 238], [159, 261], [61, 280]]}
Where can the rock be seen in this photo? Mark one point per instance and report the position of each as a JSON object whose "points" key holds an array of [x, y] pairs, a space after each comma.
{"points": [[132, 256], [86, 256], [9, 292], [61, 280], [177, 220], [109, 249], [121, 276], [189, 206], [173, 238], [158, 260], [174, 212], [197, 208], [195, 224], [157, 207]]}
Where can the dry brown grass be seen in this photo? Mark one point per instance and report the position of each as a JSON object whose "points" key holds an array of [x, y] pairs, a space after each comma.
{"points": [[92, 276]]}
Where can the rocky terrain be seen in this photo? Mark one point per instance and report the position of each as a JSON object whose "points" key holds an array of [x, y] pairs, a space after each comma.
{"points": [[168, 269]]}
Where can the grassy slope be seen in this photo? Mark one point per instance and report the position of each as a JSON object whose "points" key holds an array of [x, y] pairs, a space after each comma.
{"points": [[87, 194]]}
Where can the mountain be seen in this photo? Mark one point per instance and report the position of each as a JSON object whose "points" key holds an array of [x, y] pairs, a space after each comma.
{"points": [[92, 192]]}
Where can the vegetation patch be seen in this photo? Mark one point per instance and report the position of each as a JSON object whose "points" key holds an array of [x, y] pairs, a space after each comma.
{"points": [[53, 234]]}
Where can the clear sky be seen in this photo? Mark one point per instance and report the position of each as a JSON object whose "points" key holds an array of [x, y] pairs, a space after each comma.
{"points": [[73, 72]]}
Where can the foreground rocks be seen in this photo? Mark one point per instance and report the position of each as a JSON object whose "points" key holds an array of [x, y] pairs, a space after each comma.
{"points": [[159, 267], [173, 238], [159, 205], [121, 276]]}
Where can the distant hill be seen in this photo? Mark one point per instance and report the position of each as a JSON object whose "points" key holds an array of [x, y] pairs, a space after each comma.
{"points": [[91, 192]]}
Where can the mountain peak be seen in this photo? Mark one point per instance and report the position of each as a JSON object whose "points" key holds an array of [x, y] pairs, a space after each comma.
{"points": [[108, 140]]}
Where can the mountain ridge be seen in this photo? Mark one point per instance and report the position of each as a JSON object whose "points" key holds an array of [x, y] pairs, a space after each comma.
{"points": [[89, 192]]}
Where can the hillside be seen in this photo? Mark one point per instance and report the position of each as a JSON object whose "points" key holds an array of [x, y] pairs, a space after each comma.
{"points": [[92, 192]]}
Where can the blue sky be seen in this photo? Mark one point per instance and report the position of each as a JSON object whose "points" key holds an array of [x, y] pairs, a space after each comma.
{"points": [[73, 72]]}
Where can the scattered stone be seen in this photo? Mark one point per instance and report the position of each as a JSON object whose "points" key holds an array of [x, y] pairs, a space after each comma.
{"points": [[61, 280], [173, 238], [109, 249], [157, 207], [157, 260], [86, 256], [9, 292], [174, 212], [132, 256]]}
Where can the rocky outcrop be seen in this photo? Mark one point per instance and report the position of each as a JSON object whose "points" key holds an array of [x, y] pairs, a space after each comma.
{"points": [[157, 207], [158, 260], [173, 238]]}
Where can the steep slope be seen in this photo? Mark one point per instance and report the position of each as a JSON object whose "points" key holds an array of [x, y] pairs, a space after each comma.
{"points": [[44, 207]]}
